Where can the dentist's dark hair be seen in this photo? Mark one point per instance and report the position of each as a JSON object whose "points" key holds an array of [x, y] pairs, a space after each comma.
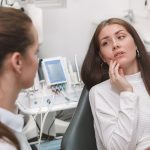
{"points": [[95, 71], [7, 135], [15, 35]]}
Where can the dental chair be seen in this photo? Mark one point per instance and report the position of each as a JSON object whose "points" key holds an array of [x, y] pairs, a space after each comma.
{"points": [[80, 133]]}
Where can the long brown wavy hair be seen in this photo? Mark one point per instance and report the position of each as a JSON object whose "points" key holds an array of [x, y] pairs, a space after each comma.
{"points": [[7, 135], [94, 70]]}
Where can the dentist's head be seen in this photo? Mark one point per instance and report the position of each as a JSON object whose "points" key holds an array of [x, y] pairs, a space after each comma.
{"points": [[18, 66], [18, 54]]}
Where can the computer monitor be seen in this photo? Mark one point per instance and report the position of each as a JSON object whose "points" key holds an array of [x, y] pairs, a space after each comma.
{"points": [[53, 70]]}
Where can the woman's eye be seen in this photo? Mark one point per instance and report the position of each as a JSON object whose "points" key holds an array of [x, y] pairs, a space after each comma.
{"points": [[104, 43], [121, 37]]}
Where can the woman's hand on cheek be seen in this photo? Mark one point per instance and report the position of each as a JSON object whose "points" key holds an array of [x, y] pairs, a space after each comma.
{"points": [[117, 77]]}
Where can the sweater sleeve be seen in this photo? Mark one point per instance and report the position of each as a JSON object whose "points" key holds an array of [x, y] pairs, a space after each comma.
{"points": [[115, 124]]}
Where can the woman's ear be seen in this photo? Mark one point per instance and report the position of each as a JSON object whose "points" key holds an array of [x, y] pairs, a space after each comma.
{"points": [[17, 62]]}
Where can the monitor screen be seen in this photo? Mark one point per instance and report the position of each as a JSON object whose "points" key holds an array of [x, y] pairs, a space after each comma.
{"points": [[53, 71]]}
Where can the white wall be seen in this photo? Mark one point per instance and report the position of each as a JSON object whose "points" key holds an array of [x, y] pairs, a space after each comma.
{"points": [[68, 31]]}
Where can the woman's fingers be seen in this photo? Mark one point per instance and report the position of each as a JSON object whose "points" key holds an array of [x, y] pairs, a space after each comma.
{"points": [[116, 70], [121, 72], [117, 77], [111, 68]]}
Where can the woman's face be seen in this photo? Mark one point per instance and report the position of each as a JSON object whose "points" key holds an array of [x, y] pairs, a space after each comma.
{"points": [[118, 45], [30, 63]]}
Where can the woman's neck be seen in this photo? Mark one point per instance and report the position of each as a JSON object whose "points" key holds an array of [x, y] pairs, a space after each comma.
{"points": [[8, 93], [130, 72], [131, 69]]}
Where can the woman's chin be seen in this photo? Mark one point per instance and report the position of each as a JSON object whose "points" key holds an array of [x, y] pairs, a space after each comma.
{"points": [[121, 61], [28, 85]]}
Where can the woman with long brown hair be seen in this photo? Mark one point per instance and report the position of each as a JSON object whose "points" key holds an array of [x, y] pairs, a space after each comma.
{"points": [[18, 66], [116, 69]]}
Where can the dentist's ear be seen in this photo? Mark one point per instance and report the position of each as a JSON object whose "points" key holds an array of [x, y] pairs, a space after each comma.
{"points": [[16, 61]]}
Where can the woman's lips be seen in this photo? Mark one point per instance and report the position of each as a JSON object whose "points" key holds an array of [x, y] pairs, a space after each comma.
{"points": [[119, 54]]}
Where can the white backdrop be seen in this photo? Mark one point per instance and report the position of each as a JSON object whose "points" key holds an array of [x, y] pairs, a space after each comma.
{"points": [[68, 31]]}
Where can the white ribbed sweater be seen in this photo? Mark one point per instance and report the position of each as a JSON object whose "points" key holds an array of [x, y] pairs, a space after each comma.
{"points": [[121, 120]]}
